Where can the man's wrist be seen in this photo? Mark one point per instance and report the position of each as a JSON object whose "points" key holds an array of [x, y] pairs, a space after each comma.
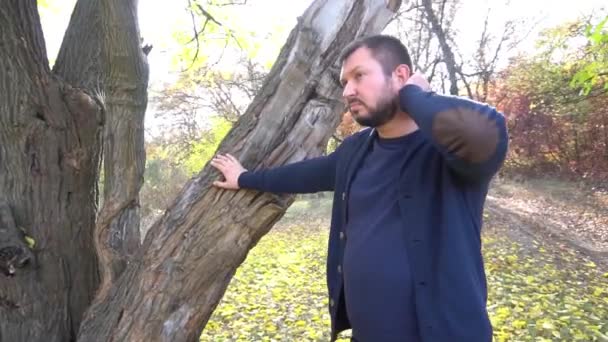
{"points": [[239, 179]]}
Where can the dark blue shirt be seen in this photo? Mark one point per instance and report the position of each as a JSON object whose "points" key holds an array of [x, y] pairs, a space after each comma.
{"points": [[376, 289]]}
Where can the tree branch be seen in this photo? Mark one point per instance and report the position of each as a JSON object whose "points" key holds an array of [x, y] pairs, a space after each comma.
{"points": [[208, 17], [448, 55], [466, 83], [401, 13], [435, 63], [196, 33]]}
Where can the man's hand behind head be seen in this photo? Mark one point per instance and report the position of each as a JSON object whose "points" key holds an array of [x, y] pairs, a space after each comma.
{"points": [[230, 168], [419, 80]]}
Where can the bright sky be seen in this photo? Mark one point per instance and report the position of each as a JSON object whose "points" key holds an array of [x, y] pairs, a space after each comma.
{"points": [[545, 13], [271, 20], [266, 18], [159, 19]]}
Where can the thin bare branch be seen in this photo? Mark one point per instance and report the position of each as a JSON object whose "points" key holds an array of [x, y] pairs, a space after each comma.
{"points": [[442, 37], [196, 33], [208, 15]]}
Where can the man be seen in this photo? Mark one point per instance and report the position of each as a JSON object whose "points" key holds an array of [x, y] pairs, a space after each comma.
{"points": [[404, 260]]}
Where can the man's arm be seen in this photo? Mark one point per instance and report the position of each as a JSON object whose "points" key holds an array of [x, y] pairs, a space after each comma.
{"points": [[307, 176], [471, 136]]}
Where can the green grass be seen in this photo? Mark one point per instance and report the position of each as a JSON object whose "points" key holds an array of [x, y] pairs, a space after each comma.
{"points": [[279, 293]]}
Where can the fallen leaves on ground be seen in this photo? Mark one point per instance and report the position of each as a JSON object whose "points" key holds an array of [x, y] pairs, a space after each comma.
{"points": [[536, 293]]}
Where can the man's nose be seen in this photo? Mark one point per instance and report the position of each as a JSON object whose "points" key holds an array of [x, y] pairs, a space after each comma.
{"points": [[349, 91]]}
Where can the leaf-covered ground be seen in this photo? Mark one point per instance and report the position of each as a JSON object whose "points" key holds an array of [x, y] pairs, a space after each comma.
{"points": [[538, 290]]}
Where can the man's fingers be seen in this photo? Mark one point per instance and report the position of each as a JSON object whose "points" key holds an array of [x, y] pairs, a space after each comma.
{"points": [[219, 164], [226, 165], [232, 158], [219, 184], [222, 158], [228, 158], [216, 162]]}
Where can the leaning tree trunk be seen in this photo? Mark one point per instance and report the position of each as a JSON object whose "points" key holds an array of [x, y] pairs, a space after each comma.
{"points": [[192, 252], [49, 155], [51, 126]]}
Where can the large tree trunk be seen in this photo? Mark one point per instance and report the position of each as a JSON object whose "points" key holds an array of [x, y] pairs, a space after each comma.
{"points": [[50, 146], [101, 51], [191, 253], [49, 155], [50, 138]]}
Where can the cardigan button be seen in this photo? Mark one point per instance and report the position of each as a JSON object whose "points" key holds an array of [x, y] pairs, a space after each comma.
{"points": [[331, 302], [344, 196], [341, 235], [339, 269]]}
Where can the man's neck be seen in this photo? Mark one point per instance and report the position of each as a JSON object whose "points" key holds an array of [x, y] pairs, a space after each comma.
{"points": [[401, 125]]}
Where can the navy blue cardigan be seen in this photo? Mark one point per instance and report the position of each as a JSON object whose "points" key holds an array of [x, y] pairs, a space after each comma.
{"points": [[442, 191]]}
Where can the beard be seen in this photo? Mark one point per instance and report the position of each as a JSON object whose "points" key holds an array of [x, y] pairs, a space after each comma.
{"points": [[384, 111]]}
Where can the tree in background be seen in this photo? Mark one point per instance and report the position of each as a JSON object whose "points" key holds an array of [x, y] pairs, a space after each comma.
{"points": [[555, 99], [594, 69], [427, 29], [557, 106]]}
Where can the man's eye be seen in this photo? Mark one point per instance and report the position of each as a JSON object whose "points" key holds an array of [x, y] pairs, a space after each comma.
{"points": [[358, 76]]}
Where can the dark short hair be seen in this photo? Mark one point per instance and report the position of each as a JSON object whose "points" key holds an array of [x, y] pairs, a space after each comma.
{"points": [[387, 50]]}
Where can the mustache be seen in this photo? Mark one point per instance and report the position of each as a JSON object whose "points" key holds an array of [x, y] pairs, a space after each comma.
{"points": [[351, 102]]}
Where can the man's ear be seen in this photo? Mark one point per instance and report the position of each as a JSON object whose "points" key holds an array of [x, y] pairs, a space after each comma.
{"points": [[402, 74]]}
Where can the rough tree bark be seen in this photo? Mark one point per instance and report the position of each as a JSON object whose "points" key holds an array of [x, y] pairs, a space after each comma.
{"points": [[101, 51], [49, 155], [51, 126], [14, 251], [50, 152], [191, 253]]}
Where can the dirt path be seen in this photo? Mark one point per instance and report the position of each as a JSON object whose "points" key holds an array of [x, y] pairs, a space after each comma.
{"points": [[557, 214]]}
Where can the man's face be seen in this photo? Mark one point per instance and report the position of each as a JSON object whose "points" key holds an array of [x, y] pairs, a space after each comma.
{"points": [[368, 92]]}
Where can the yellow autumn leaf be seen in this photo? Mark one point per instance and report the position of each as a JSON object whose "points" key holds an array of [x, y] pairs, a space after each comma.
{"points": [[30, 242]]}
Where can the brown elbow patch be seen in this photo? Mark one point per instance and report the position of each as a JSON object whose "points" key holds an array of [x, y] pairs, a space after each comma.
{"points": [[467, 134]]}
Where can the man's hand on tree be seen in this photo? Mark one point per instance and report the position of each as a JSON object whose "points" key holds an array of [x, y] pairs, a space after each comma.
{"points": [[230, 168]]}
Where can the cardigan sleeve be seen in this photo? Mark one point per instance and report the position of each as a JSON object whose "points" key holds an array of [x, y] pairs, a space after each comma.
{"points": [[307, 176], [471, 136]]}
